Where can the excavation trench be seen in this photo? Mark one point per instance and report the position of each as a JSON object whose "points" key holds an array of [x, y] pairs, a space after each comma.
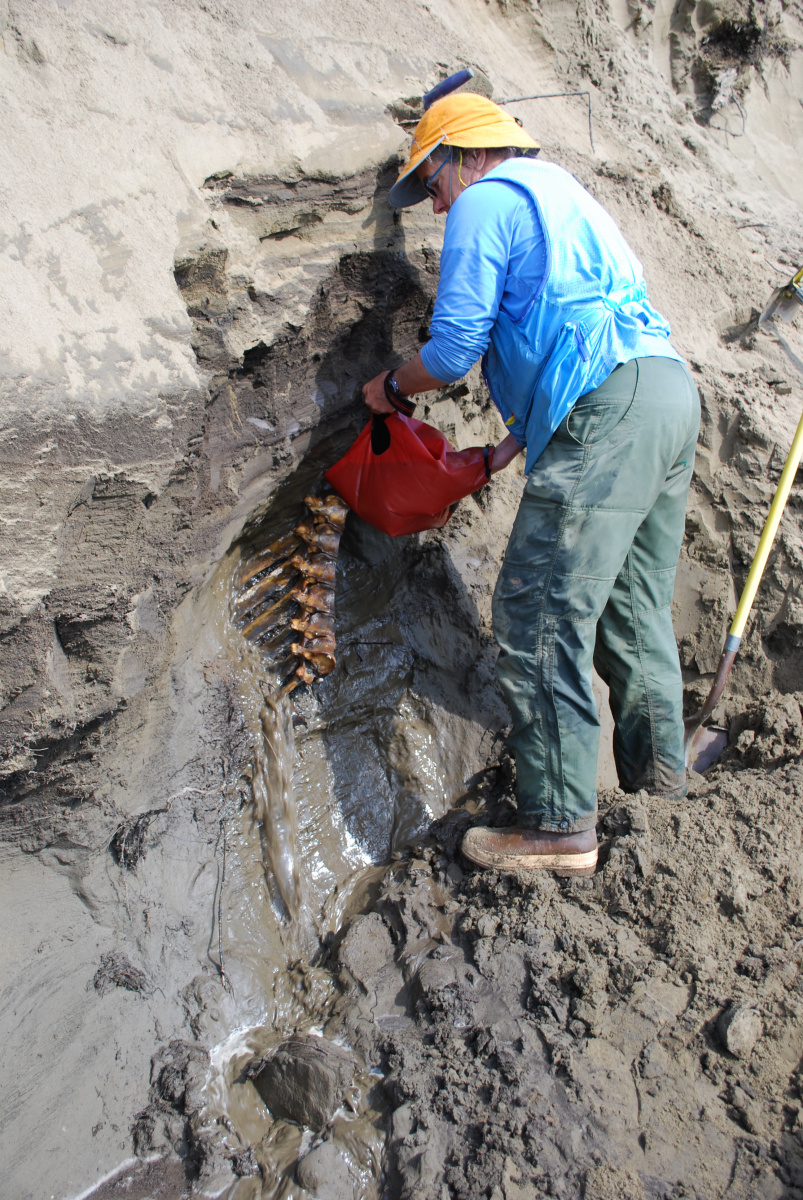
{"points": [[240, 878], [333, 780], [251, 878], [317, 787]]}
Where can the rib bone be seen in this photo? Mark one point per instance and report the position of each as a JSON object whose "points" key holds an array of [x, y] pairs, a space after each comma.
{"points": [[310, 550]]}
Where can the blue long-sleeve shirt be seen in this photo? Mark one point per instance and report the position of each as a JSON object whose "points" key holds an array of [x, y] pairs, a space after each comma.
{"points": [[494, 254], [537, 276]]}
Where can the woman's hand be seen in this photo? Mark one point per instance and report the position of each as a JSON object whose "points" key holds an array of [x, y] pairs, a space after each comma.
{"points": [[504, 453], [412, 378], [374, 394]]}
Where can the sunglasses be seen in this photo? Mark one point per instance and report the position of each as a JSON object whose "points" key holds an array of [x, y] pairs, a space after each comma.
{"points": [[430, 190]]}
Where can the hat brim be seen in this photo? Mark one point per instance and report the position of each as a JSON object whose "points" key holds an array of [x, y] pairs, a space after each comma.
{"points": [[408, 188]]}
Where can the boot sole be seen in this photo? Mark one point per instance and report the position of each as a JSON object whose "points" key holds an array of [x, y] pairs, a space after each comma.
{"points": [[563, 865]]}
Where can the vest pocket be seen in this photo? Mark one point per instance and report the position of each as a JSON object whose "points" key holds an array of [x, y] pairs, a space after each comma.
{"points": [[581, 340], [562, 379]]}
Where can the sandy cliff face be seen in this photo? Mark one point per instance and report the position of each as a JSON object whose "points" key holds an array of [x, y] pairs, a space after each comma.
{"points": [[199, 270]]}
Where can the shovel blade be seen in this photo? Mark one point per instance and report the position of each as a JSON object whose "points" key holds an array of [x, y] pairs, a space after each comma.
{"points": [[789, 304], [708, 745], [784, 303]]}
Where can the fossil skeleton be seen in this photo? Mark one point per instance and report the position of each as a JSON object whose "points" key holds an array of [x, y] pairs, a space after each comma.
{"points": [[287, 589]]}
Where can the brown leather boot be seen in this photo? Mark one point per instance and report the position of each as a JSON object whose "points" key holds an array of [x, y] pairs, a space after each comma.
{"points": [[517, 849]]}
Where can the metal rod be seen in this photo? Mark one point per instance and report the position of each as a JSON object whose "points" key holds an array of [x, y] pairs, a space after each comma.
{"points": [[556, 96]]}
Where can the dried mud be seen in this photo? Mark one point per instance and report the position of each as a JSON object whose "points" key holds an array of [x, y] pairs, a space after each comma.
{"points": [[207, 885]]}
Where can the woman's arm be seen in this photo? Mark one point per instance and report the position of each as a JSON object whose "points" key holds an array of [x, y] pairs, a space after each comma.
{"points": [[474, 263]]}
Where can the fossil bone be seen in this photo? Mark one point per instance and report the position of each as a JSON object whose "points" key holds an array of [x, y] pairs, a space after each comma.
{"points": [[331, 508], [268, 619], [315, 598], [318, 567], [318, 645], [303, 675], [322, 664], [270, 611], [281, 548], [274, 581], [314, 624], [322, 537]]}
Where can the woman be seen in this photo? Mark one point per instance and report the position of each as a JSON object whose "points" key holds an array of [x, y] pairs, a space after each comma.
{"points": [[537, 278]]}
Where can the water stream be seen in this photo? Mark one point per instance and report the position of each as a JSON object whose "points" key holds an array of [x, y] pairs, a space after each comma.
{"points": [[314, 876]]}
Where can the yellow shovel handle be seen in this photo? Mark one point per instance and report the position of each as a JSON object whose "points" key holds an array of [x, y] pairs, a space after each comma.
{"points": [[767, 537]]}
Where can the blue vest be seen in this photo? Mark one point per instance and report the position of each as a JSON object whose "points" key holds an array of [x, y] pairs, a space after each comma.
{"points": [[590, 313]]}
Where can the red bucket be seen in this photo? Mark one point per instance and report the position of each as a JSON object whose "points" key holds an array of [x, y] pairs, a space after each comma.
{"points": [[402, 475]]}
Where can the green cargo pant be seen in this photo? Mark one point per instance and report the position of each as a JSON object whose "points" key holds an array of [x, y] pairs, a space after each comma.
{"points": [[587, 580]]}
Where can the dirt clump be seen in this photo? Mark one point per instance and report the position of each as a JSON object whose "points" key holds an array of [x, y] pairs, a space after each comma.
{"points": [[304, 1080], [325, 1173], [165, 1126], [769, 732], [115, 970], [634, 1034]]}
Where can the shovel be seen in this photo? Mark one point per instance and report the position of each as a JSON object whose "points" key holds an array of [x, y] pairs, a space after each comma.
{"points": [[695, 735], [785, 300]]}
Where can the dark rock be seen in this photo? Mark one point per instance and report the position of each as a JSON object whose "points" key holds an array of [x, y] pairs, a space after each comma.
{"points": [[304, 1080]]}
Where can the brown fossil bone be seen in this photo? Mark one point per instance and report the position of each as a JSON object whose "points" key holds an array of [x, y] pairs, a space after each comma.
{"points": [[272, 605], [314, 624], [272, 583], [317, 567], [315, 598], [318, 645], [331, 508], [302, 674], [322, 664], [266, 621], [323, 538], [282, 548]]}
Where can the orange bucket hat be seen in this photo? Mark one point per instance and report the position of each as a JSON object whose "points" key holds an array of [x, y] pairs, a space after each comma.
{"points": [[466, 120]]}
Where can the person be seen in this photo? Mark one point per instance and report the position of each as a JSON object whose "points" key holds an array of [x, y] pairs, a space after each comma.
{"points": [[538, 280]]}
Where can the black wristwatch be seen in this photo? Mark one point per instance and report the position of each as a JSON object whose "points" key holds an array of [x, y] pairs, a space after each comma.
{"points": [[393, 394]]}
